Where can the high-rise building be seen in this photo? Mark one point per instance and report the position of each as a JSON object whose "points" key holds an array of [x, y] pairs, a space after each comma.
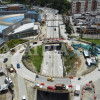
{"points": [[82, 6]]}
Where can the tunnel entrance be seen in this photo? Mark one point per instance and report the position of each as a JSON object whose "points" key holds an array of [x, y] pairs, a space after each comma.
{"points": [[48, 95], [52, 47]]}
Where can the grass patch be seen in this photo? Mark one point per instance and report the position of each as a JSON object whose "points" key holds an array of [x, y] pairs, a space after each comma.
{"points": [[11, 44], [95, 41], [37, 58]]}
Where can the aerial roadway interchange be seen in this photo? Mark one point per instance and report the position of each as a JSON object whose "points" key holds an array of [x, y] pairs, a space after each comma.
{"points": [[52, 64]]}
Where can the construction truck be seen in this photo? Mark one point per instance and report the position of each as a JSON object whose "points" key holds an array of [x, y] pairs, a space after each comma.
{"points": [[60, 87]]}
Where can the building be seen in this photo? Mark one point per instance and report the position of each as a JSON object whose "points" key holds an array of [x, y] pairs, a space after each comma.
{"points": [[15, 7], [85, 6], [25, 30]]}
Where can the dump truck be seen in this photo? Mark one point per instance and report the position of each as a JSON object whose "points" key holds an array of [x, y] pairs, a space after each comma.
{"points": [[60, 87], [4, 87]]}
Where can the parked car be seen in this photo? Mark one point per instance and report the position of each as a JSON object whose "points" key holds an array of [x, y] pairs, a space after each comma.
{"points": [[12, 50], [34, 42], [51, 87], [37, 76], [5, 60], [18, 65], [38, 86], [21, 51], [50, 79]]}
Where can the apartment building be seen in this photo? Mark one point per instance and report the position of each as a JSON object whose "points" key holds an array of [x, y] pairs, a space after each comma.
{"points": [[82, 6]]}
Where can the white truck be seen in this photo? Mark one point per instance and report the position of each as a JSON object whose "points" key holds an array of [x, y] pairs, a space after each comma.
{"points": [[77, 90], [4, 87]]}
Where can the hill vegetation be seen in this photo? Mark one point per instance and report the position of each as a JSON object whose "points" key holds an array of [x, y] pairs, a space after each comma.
{"points": [[62, 5]]}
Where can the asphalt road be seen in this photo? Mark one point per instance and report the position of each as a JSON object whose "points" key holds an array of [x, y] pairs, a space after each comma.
{"points": [[52, 64], [22, 88], [52, 61], [22, 71]]}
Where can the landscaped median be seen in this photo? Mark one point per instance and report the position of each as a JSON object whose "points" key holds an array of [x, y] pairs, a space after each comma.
{"points": [[95, 41], [33, 58], [11, 44]]}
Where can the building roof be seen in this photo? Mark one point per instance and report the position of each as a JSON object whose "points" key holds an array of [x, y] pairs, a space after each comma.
{"points": [[12, 5], [25, 27], [2, 27]]}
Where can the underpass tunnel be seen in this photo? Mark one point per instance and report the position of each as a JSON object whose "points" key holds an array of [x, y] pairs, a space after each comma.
{"points": [[52, 95], [52, 47]]}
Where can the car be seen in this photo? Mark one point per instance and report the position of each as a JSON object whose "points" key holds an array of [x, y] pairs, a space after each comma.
{"points": [[55, 51], [5, 60], [51, 87], [12, 50], [21, 51], [50, 79], [38, 86], [34, 42], [37, 76], [54, 29], [79, 78], [24, 98], [18, 65]]}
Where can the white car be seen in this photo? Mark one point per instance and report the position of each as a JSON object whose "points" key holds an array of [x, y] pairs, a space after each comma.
{"points": [[55, 51], [38, 85], [24, 98]]}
